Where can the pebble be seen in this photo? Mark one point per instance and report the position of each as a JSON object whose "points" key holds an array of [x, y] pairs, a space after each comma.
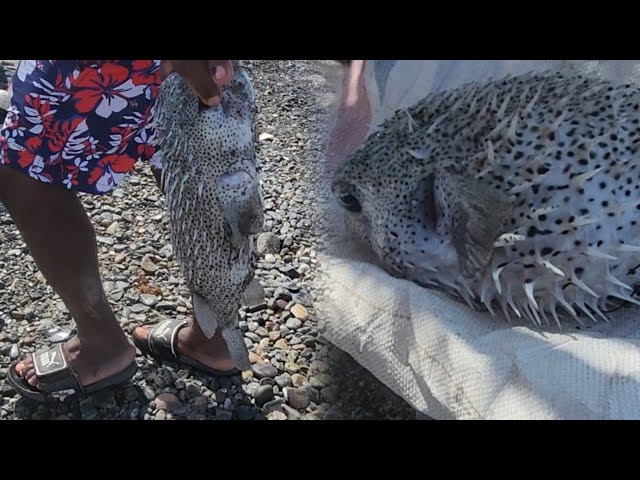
{"points": [[296, 397], [139, 308], [261, 370], [276, 415], [88, 411], [293, 323], [244, 412], [148, 300], [148, 393], [168, 401], [298, 380], [282, 293], [281, 344], [223, 414], [274, 335], [14, 352], [300, 312], [283, 380], [161, 415], [147, 265], [272, 406]]}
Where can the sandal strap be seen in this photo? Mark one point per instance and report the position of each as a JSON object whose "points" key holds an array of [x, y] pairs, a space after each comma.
{"points": [[163, 337], [53, 372]]}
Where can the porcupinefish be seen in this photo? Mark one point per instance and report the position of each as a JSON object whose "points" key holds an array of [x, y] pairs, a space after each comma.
{"points": [[213, 194], [521, 193]]}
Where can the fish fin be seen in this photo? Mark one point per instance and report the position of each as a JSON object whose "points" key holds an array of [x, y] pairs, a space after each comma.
{"points": [[241, 202], [205, 316], [480, 217]]}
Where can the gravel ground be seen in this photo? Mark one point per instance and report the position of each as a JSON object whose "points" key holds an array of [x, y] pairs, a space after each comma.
{"points": [[296, 374]]}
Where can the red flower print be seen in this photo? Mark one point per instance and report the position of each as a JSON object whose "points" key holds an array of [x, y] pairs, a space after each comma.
{"points": [[145, 72], [105, 90], [115, 163]]}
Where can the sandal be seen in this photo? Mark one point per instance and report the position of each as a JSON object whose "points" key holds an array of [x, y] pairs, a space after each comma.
{"points": [[161, 343], [57, 380]]}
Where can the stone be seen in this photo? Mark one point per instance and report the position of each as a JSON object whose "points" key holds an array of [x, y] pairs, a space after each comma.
{"points": [[268, 243], [298, 380], [168, 401], [274, 336], [283, 380], [300, 312], [276, 415], [261, 370], [296, 397], [147, 265], [293, 323], [281, 344], [148, 300]]}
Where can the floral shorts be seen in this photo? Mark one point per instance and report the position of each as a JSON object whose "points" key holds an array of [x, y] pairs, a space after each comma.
{"points": [[81, 124]]}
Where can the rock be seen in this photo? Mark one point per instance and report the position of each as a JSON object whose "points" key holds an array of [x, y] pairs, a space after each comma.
{"points": [[14, 352], [282, 293], [88, 411], [269, 258], [130, 394], [147, 265], [274, 336], [289, 271], [281, 344], [165, 305], [200, 403], [255, 358], [262, 332], [57, 335], [148, 393], [168, 401], [267, 381], [103, 399], [113, 228], [329, 394], [315, 382], [298, 380], [276, 415], [263, 137], [293, 323], [261, 370], [298, 398], [292, 367], [161, 415], [119, 258], [148, 300], [7, 391], [222, 414], [300, 312], [292, 413], [244, 412], [139, 308], [283, 380], [263, 394], [268, 243], [272, 406]]}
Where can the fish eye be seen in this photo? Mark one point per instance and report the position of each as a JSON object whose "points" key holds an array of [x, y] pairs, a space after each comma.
{"points": [[350, 202]]}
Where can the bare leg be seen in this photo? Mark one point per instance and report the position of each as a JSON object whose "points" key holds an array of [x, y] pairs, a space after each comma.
{"points": [[62, 241]]}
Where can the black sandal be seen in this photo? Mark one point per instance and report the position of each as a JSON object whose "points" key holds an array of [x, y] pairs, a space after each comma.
{"points": [[57, 380], [161, 343]]}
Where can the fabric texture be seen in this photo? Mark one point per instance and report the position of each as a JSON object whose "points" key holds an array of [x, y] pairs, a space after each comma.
{"points": [[81, 124]]}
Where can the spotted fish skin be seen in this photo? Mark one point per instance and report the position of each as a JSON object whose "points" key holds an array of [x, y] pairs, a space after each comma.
{"points": [[520, 194], [213, 194]]}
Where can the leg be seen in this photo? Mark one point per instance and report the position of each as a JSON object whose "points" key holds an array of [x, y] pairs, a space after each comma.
{"points": [[52, 221]]}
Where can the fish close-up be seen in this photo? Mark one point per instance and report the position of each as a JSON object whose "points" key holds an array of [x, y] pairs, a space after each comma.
{"points": [[518, 195], [212, 191]]}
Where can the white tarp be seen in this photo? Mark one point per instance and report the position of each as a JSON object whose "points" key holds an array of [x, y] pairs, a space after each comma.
{"points": [[448, 361]]}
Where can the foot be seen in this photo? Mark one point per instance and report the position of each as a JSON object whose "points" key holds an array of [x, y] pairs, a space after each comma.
{"points": [[212, 352], [90, 363]]}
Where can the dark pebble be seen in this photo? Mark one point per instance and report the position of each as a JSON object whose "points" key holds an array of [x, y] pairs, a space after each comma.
{"points": [[263, 394], [244, 412]]}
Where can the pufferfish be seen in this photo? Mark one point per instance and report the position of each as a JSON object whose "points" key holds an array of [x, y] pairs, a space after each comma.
{"points": [[520, 194], [213, 194]]}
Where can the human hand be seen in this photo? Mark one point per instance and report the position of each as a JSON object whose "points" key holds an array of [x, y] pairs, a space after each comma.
{"points": [[206, 77]]}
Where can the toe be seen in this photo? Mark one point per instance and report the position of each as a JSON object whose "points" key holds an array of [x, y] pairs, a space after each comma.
{"points": [[142, 333], [31, 378], [24, 366]]}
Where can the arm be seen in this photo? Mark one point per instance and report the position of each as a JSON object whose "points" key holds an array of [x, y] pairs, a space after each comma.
{"points": [[353, 116]]}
